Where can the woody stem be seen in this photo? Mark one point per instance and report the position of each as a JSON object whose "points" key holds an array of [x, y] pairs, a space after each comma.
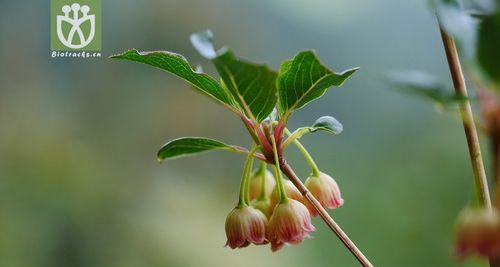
{"points": [[480, 181], [287, 170]]}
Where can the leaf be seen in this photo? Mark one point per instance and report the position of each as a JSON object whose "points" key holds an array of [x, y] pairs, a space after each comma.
{"points": [[328, 124], [304, 79], [489, 47], [423, 85], [187, 146], [325, 123], [253, 86], [178, 65]]}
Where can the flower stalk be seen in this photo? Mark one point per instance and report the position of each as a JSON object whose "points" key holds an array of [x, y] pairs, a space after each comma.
{"points": [[305, 153], [243, 199], [262, 174], [283, 198]]}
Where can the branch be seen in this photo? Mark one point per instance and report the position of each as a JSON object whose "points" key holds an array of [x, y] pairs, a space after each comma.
{"points": [[457, 76], [287, 170]]}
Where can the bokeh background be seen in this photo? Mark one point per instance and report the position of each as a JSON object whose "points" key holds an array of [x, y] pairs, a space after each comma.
{"points": [[80, 185]]}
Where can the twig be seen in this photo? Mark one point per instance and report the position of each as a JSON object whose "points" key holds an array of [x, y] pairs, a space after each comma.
{"points": [[287, 170], [480, 180]]}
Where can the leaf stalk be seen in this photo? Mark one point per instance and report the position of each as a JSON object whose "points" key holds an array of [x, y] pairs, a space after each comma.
{"points": [[305, 153]]}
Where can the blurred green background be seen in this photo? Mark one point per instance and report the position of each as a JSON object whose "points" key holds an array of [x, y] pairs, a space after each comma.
{"points": [[80, 185]]}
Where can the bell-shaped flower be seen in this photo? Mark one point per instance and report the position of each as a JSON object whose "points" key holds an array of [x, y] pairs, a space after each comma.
{"points": [[264, 205], [256, 184], [245, 225], [324, 188], [291, 192], [290, 223]]}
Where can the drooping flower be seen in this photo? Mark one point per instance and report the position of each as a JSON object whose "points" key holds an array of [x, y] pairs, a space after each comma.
{"points": [[326, 190], [290, 223], [264, 205], [291, 192], [256, 184], [478, 233], [245, 225]]}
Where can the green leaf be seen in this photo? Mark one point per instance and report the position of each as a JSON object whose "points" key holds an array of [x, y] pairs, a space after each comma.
{"points": [[253, 86], [423, 85], [489, 47], [304, 79], [187, 146], [328, 124], [178, 65]]}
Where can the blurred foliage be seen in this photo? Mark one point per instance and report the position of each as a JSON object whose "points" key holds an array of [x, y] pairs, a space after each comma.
{"points": [[425, 86], [489, 47], [475, 24]]}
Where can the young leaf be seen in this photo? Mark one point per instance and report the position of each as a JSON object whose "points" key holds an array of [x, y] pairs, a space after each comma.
{"points": [[325, 123], [178, 65], [304, 79], [423, 85], [252, 86], [187, 146]]}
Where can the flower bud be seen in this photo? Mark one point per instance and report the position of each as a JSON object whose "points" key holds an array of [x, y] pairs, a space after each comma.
{"points": [[289, 224], [256, 184], [264, 205], [478, 233], [291, 192], [245, 225], [324, 188]]}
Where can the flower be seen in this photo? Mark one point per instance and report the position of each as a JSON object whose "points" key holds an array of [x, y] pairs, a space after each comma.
{"points": [[291, 192], [256, 184], [245, 225], [478, 233], [264, 205], [289, 224], [324, 188]]}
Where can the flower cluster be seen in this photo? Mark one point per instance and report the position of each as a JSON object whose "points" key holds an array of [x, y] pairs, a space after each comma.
{"points": [[272, 210]]}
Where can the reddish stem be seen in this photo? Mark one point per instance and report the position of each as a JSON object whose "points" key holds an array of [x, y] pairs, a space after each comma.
{"points": [[258, 136]]}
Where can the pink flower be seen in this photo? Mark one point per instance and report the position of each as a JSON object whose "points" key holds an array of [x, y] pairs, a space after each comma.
{"points": [[264, 205], [256, 184], [478, 233], [325, 190], [245, 225], [289, 224], [291, 192]]}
